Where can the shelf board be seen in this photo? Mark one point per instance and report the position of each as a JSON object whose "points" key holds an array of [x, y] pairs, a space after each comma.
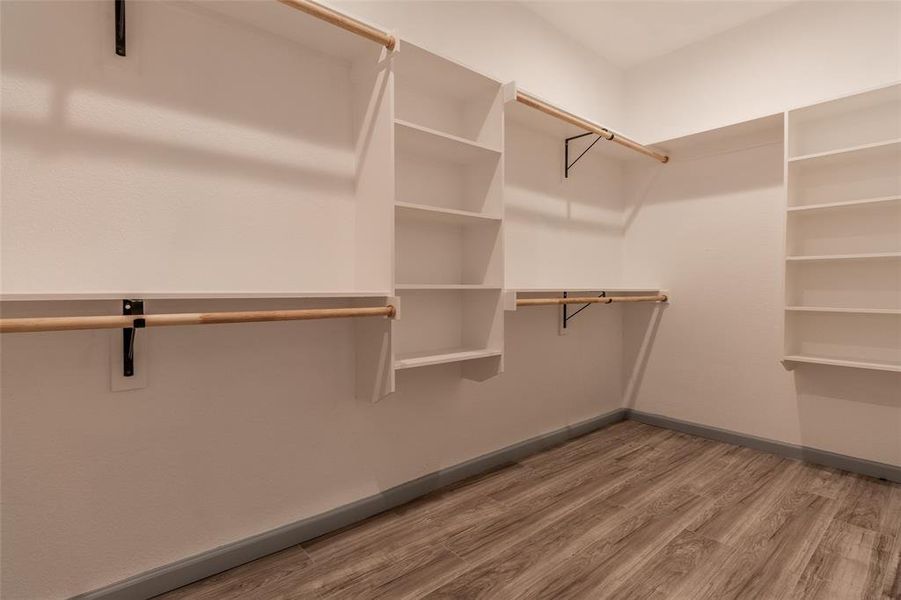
{"points": [[853, 311], [847, 204], [439, 357], [445, 286], [858, 102], [438, 214], [146, 295], [836, 257], [837, 362], [600, 288], [444, 146], [874, 147]]}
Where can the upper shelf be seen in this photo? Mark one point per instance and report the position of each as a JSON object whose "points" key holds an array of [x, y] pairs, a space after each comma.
{"points": [[62, 296], [430, 142], [851, 121], [845, 204], [864, 151]]}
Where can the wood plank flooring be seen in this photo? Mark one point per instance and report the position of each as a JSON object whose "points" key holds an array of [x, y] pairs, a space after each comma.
{"points": [[628, 512]]}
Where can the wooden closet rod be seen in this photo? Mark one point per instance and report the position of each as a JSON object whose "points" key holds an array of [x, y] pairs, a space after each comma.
{"points": [[572, 119], [343, 21], [164, 320], [589, 300]]}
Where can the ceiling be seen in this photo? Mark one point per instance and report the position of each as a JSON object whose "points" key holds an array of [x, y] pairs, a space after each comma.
{"points": [[628, 33]]}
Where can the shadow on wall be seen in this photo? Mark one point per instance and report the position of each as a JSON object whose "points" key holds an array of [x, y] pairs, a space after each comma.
{"points": [[692, 177], [207, 129], [637, 348], [225, 77], [169, 103], [537, 192]]}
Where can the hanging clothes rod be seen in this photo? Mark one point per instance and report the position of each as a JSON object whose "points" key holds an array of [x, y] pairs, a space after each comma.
{"points": [[589, 300], [572, 119], [314, 9], [21, 325]]}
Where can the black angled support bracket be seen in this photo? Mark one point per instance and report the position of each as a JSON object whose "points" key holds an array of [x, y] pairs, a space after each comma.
{"points": [[120, 27], [569, 165], [567, 316], [131, 307]]}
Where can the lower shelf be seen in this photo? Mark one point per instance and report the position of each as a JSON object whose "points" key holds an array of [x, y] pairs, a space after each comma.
{"points": [[816, 360], [855, 311], [438, 357]]}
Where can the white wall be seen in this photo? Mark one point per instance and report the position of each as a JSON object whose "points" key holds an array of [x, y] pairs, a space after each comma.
{"points": [[509, 43], [244, 428], [709, 226], [247, 427], [560, 232], [240, 428], [808, 52]]}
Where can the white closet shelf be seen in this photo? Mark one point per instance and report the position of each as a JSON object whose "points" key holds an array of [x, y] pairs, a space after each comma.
{"points": [[892, 145], [846, 204], [835, 257], [188, 295], [853, 311], [438, 214], [444, 146], [837, 362], [860, 102], [446, 286], [600, 288], [424, 359]]}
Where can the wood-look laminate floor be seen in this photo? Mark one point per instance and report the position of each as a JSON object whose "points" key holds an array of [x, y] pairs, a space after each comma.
{"points": [[628, 512]]}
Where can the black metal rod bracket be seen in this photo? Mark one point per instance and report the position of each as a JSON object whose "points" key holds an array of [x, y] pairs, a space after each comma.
{"points": [[569, 165], [131, 307], [567, 316], [120, 27]]}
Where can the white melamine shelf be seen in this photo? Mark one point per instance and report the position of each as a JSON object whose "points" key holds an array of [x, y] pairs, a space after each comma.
{"points": [[444, 146], [836, 257], [854, 311], [816, 360], [847, 204], [438, 214], [877, 147], [188, 295], [600, 288], [424, 359], [445, 286]]}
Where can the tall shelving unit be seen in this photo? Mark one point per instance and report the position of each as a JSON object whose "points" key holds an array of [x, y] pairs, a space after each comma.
{"points": [[449, 264], [843, 232]]}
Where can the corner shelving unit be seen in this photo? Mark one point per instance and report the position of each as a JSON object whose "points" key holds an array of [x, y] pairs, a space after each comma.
{"points": [[449, 264], [843, 232]]}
